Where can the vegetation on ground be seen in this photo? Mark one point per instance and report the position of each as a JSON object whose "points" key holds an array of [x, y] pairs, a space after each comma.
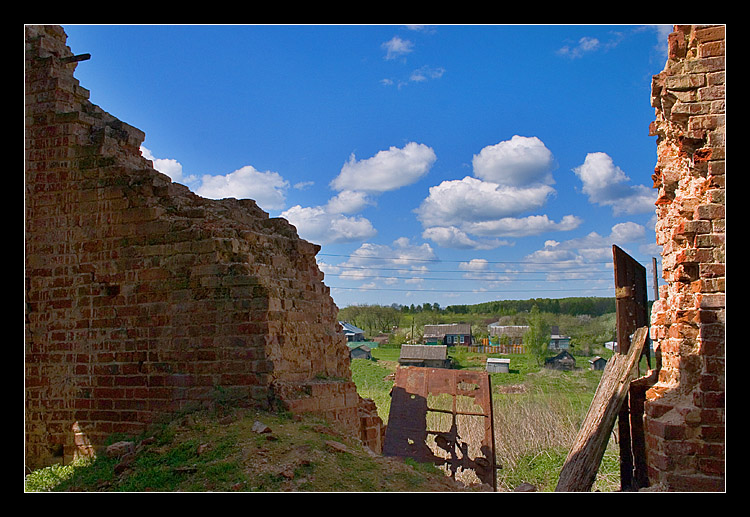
{"points": [[537, 413], [227, 450]]}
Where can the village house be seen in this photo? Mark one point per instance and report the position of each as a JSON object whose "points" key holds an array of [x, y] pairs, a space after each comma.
{"points": [[557, 341], [513, 333], [430, 356], [447, 334], [382, 338], [351, 332], [562, 361]]}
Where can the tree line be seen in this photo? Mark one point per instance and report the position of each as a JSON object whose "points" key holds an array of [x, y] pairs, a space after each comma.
{"points": [[573, 306], [374, 319]]}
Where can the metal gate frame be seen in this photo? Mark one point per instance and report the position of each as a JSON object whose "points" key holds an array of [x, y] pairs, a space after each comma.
{"points": [[406, 434], [631, 305]]}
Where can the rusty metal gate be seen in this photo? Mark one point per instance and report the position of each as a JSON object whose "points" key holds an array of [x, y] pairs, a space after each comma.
{"points": [[462, 440], [631, 302]]}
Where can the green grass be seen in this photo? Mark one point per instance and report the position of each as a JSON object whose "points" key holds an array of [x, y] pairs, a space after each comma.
{"points": [[46, 479], [537, 413], [372, 383], [200, 452]]}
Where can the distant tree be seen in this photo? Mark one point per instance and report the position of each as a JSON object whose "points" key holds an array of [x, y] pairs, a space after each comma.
{"points": [[538, 336]]}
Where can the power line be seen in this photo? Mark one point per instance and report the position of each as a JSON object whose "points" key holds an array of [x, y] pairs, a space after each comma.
{"points": [[465, 291], [485, 279], [409, 270], [444, 261]]}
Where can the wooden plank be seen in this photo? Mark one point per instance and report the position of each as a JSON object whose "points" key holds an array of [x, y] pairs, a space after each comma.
{"points": [[579, 471]]}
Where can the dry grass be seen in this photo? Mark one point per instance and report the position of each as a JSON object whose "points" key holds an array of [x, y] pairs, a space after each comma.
{"points": [[530, 424], [533, 434], [533, 430], [537, 415]]}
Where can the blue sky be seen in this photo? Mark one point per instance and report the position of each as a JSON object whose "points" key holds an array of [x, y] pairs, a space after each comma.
{"points": [[450, 164]]}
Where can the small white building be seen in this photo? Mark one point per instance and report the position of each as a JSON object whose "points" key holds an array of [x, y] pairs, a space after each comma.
{"points": [[498, 365]]}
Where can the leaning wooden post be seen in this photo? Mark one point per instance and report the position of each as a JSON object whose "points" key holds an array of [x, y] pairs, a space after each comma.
{"points": [[579, 471]]}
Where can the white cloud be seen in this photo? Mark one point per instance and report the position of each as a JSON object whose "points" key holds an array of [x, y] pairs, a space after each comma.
{"points": [[453, 202], [474, 265], [607, 185], [510, 178], [320, 226], [627, 232], [387, 170], [369, 259], [556, 258], [347, 202], [420, 75], [268, 188], [452, 237], [577, 256], [402, 253], [422, 28], [303, 185], [425, 73], [583, 46], [168, 166], [396, 47], [523, 226], [662, 35], [587, 44], [516, 162]]}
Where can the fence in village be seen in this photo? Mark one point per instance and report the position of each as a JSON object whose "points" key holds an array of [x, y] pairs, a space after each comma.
{"points": [[497, 349]]}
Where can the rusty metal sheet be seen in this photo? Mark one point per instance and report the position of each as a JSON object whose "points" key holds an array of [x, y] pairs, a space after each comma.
{"points": [[443, 416], [631, 297], [631, 305]]}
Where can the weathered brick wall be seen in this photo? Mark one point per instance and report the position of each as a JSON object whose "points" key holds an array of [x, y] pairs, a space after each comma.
{"points": [[685, 413], [142, 298]]}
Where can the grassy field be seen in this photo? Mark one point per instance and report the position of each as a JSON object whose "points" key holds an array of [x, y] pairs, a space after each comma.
{"points": [[219, 450], [537, 413]]}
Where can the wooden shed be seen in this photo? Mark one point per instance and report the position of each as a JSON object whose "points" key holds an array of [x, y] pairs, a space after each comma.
{"points": [[359, 351], [431, 356], [498, 365], [562, 361], [598, 363]]}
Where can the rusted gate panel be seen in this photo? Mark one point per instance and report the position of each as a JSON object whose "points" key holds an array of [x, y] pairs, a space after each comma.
{"points": [[461, 396], [631, 297], [631, 304]]}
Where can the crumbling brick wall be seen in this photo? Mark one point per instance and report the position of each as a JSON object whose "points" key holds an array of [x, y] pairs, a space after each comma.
{"points": [[143, 298], [685, 412]]}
